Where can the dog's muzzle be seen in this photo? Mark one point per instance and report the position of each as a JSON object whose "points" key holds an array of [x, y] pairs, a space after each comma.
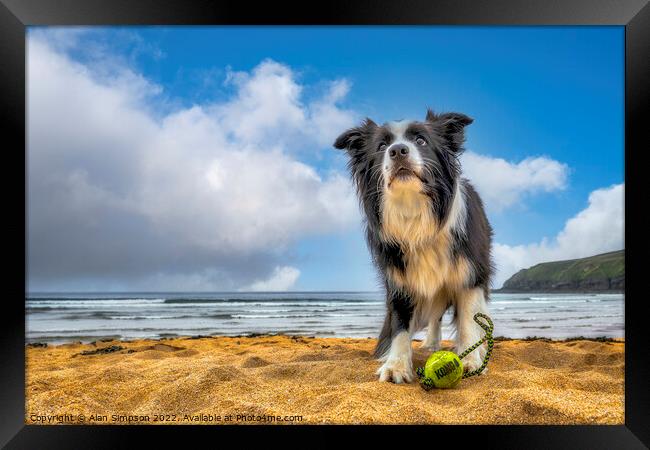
{"points": [[401, 167]]}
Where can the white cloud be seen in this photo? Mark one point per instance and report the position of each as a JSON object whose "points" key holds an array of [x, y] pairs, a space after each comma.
{"points": [[115, 189], [282, 279], [599, 228], [268, 101], [269, 107], [327, 118], [503, 184]]}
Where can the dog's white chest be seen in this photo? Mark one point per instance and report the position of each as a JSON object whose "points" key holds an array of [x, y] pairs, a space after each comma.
{"points": [[427, 270], [407, 220], [406, 214]]}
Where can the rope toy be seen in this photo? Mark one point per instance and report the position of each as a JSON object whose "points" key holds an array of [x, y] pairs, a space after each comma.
{"points": [[444, 369]]}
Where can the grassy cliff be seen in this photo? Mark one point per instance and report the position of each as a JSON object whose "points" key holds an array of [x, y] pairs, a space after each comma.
{"points": [[604, 272]]}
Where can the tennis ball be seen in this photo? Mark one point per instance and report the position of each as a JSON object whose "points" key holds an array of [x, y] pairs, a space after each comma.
{"points": [[444, 368]]}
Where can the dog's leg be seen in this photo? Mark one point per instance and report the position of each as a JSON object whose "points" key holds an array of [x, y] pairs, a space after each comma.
{"points": [[383, 343], [398, 364], [434, 330], [432, 340], [468, 303]]}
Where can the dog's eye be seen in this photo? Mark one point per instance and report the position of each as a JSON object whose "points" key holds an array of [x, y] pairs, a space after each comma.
{"points": [[382, 146], [420, 140]]}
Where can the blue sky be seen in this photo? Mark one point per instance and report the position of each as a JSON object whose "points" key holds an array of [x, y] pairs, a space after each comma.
{"points": [[551, 95]]}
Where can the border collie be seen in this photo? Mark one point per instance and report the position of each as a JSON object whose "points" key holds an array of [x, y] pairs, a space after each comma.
{"points": [[427, 232]]}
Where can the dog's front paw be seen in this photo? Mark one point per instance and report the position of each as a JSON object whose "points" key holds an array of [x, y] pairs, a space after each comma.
{"points": [[430, 345], [474, 359], [398, 370], [473, 362]]}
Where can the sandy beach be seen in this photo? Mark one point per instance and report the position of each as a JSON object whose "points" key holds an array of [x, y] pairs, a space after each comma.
{"points": [[302, 380]]}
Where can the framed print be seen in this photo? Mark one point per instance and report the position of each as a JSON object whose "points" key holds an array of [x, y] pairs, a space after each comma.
{"points": [[398, 214]]}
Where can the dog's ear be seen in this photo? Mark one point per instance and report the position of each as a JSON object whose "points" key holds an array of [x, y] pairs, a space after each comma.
{"points": [[355, 138], [451, 126]]}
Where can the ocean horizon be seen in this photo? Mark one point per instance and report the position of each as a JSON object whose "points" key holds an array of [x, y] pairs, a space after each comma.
{"points": [[66, 317]]}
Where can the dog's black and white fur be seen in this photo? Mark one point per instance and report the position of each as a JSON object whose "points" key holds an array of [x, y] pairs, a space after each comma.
{"points": [[427, 232]]}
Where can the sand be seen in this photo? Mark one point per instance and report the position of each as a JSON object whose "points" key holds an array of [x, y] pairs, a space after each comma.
{"points": [[296, 380]]}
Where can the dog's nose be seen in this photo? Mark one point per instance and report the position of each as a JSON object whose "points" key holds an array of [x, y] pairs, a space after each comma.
{"points": [[398, 151]]}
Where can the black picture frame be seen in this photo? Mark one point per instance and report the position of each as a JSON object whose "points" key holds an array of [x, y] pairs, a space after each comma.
{"points": [[634, 15]]}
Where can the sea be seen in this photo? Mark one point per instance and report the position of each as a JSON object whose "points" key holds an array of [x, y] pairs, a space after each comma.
{"points": [[60, 318]]}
